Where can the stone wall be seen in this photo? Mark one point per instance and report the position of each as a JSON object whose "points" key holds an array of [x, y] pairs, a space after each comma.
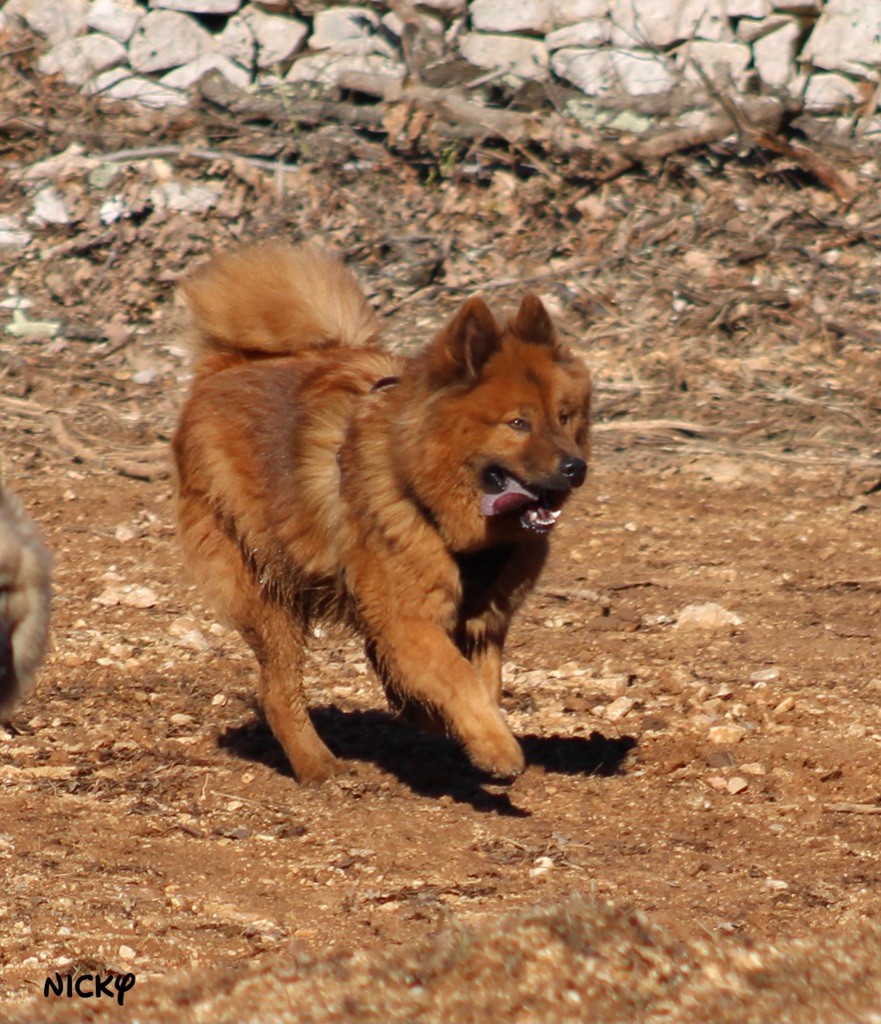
{"points": [[824, 53]]}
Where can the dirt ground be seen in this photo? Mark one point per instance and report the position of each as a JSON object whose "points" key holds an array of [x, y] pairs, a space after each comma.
{"points": [[721, 778]]}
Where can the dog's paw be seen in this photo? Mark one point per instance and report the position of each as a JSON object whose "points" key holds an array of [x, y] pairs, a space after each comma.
{"points": [[315, 771], [499, 756]]}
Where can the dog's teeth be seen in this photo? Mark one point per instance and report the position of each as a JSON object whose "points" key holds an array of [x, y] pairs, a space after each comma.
{"points": [[556, 513]]}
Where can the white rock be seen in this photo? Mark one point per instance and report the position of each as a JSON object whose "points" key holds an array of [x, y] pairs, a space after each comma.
{"points": [[77, 60], [748, 8], [526, 58], [590, 71], [112, 210], [707, 616], [799, 6], [53, 19], [114, 19], [121, 84], [847, 32], [510, 15], [642, 72], [722, 63], [199, 6], [183, 198], [237, 42], [647, 23], [748, 30], [49, 208], [726, 734], [618, 709], [826, 94], [774, 54], [12, 235], [139, 597], [568, 12], [167, 39], [449, 7], [188, 74], [326, 68], [590, 32], [348, 30], [109, 596], [278, 39], [71, 162]]}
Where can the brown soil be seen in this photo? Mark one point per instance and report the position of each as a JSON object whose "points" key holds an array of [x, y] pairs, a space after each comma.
{"points": [[725, 782]]}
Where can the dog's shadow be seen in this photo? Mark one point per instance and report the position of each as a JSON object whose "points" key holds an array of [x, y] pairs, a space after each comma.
{"points": [[431, 766]]}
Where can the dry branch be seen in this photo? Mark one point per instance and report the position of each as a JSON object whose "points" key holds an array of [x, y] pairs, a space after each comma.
{"points": [[147, 465], [449, 115]]}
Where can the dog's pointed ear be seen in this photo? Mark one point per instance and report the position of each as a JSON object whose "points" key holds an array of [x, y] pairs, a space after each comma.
{"points": [[467, 342], [533, 323]]}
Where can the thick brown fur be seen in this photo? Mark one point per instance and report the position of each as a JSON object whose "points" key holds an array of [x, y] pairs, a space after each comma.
{"points": [[319, 476], [24, 602]]}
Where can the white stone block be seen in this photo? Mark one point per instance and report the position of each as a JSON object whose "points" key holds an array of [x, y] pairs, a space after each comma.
{"points": [[167, 39], [809, 7], [121, 84], [77, 60], [826, 94], [748, 8], [568, 12], [722, 63], [650, 23], [237, 42], [510, 16], [642, 72], [114, 19], [526, 58], [348, 30], [590, 32], [326, 68], [774, 55], [590, 71], [188, 74], [277, 38], [55, 20], [199, 6], [848, 32], [447, 7], [749, 30]]}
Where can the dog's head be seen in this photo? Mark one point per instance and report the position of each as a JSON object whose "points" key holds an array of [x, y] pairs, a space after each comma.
{"points": [[513, 407]]}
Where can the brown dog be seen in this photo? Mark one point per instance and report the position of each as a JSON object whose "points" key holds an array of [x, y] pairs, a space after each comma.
{"points": [[412, 498]]}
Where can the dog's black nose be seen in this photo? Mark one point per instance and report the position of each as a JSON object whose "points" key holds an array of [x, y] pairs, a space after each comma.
{"points": [[574, 469]]}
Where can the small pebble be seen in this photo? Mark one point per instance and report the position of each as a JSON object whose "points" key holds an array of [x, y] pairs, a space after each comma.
{"points": [[726, 734], [787, 704], [619, 708]]}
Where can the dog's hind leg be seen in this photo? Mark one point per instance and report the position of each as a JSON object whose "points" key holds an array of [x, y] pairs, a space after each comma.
{"points": [[278, 640], [274, 632]]}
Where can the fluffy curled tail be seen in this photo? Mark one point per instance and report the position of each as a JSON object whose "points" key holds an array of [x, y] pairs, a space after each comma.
{"points": [[24, 602], [274, 300]]}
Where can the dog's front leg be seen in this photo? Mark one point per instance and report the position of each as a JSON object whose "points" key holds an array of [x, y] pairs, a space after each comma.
{"points": [[419, 660]]}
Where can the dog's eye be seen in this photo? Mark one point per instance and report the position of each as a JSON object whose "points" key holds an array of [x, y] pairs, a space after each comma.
{"points": [[565, 416], [518, 423]]}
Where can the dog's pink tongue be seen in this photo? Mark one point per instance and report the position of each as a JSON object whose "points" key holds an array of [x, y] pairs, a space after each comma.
{"points": [[513, 496]]}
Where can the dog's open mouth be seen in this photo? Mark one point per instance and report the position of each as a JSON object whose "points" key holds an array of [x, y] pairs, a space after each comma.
{"points": [[539, 509]]}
